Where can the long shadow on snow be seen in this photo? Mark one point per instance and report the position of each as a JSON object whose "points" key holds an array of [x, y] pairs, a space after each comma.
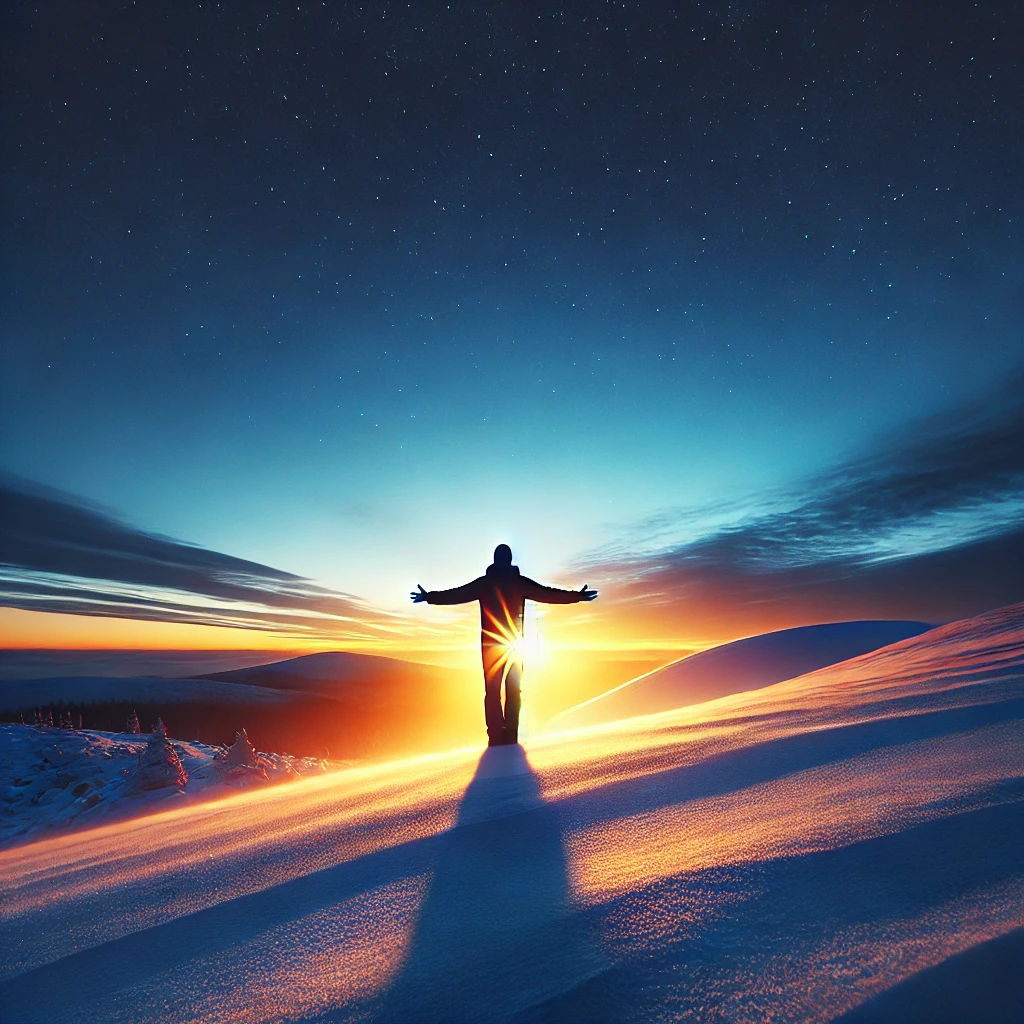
{"points": [[89, 977], [496, 933], [495, 918]]}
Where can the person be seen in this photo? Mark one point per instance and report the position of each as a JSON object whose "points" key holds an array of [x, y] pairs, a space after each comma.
{"points": [[502, 592]]}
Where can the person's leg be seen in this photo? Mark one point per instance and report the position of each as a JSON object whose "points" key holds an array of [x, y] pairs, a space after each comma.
{"points": [[513, 700], [493, 715]]}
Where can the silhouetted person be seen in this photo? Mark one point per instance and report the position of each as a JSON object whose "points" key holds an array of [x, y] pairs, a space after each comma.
{"points": [[502, 593]]}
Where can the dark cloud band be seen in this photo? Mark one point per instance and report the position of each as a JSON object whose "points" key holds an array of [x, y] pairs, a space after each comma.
{"points": [[58, 554], [946, 497]]}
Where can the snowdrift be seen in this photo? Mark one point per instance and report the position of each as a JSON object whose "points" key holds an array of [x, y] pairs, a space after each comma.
{"points": [[794, 853], [741, 665]]}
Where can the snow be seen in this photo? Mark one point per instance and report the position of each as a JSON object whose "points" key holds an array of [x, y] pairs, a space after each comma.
{"points": [[55, 779], [159, 765], [793, 853], [741, 665]]}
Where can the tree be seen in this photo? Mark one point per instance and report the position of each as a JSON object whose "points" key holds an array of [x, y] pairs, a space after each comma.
{"points": [[242, 764], [159, 765], [133, 724]]}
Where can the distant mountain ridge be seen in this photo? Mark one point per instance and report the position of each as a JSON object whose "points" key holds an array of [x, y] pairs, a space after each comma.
{"points": [[329, 671], [46, 663], [354, 705], [747, 664]]}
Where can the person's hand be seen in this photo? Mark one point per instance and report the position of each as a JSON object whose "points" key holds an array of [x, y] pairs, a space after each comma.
{"points": [[418, 595], [587, 595]]}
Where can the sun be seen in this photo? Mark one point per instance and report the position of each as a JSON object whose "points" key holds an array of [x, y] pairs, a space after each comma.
{"points": [[516, 646]]}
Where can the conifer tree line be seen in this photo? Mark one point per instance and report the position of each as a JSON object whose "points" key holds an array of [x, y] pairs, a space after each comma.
{"points": [[312, 728]]}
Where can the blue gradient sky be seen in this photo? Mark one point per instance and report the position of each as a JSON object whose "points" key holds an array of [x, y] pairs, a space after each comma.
{"points": [[358, 293]]}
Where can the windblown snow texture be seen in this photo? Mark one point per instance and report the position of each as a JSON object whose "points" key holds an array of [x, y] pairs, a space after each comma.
{"points": [[795, 853]]}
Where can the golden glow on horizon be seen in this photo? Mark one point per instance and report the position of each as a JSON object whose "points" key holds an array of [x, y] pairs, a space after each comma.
{"points": [[57, 631], [61, 631], [559, 671]]}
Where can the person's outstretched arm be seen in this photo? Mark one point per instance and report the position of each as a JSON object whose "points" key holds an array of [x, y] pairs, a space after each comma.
{"points": [[457, 595], [552, 595]]}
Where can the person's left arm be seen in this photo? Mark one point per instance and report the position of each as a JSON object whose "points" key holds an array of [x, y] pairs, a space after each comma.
{"points": [[553, 595]]}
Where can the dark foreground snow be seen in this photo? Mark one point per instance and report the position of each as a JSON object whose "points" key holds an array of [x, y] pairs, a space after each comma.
{"points": [[812, 849]]}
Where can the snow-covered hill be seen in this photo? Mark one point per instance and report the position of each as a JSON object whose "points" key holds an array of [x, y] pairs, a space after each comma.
{"points": [[792, 853], [741, 665]]}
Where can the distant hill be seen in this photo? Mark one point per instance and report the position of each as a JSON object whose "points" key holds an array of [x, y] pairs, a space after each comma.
{"points": [[49, 663], [741, 665], [333, 673], [28, 693], [352, 705]]}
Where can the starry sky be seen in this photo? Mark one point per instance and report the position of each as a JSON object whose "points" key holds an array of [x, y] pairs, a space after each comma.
{"points": [[714, 306]]}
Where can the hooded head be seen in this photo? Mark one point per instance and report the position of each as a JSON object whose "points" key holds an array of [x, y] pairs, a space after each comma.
{"points": [[502, 564]]}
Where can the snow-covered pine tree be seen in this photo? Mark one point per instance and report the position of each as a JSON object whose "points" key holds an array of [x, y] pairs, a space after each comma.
{"points": [[159, 764], [242, 764], [133, 724]]}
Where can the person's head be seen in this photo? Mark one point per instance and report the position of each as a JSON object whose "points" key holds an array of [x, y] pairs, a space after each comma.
{"points": [[502, 555]]}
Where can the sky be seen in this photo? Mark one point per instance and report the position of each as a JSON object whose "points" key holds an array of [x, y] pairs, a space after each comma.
{"points": [[715, 307]]}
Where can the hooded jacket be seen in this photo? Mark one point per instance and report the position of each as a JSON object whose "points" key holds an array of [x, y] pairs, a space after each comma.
{"points": [[502, 593]]}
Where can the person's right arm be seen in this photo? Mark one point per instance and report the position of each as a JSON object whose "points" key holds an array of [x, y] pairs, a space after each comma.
{"points": [[457, 595]]}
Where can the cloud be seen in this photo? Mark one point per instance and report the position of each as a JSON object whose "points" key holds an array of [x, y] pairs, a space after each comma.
{"points": [[60, 554], [929, 521]]}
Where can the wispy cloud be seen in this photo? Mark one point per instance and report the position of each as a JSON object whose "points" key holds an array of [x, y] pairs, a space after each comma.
{"points": [[60, 554], [941, 505]]}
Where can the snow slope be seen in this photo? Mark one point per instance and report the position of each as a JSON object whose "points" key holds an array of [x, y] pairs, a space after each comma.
{"points": [[793, 853], [741, 665]]}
